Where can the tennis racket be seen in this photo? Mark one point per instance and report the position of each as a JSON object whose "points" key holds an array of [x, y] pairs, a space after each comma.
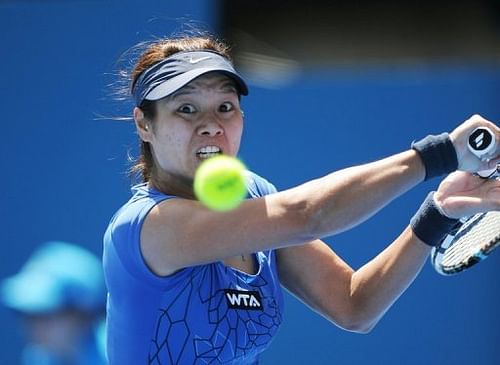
{"points": [[475, 237]]}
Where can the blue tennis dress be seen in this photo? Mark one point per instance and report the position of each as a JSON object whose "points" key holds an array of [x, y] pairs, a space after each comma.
{"points": [[207, 314]]}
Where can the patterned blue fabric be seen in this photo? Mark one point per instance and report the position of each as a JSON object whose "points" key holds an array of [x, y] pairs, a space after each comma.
{"points": [[206, 314]]}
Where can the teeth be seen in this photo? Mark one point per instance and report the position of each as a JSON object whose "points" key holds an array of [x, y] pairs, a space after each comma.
{"points": [[207, 155], [208, 151]]}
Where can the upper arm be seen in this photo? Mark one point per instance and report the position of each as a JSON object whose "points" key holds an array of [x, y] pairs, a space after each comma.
{"points": [[177, 232], [318, 277]]}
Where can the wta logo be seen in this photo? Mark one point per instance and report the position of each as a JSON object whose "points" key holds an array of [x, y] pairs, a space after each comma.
{"points": [[242, 299]]}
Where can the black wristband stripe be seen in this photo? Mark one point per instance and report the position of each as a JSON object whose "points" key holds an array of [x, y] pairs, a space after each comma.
{"points": [[429, 224], [438, 155]]}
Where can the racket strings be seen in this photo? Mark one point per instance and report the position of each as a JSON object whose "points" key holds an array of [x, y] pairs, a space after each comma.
{"points": [[473, 241]]}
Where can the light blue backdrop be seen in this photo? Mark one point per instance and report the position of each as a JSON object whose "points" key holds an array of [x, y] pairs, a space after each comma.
{"points": [[64, 168]]}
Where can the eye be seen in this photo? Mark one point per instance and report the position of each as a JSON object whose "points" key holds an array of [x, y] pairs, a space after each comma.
{"points": [[226, 107], [187, 109]]}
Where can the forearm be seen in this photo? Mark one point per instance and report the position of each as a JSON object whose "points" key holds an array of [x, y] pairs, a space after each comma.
{"points": [[379, 283], [347, 197]]}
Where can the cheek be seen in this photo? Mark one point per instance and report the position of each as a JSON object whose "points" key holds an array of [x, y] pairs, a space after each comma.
{"points": [[165, 138], [235, 139], [169, 145]]}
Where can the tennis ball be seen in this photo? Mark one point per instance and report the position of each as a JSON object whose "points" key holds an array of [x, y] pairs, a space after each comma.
{"points": [[219, 183]]}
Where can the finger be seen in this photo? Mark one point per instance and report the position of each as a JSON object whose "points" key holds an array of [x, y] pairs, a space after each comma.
{"points": [[477, 120]]}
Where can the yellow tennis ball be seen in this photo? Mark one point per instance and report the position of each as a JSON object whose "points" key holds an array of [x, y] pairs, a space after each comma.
{"points": [[219, 183]]}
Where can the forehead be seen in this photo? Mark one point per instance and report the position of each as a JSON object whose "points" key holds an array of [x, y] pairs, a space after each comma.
{"points": [[210, 81]]}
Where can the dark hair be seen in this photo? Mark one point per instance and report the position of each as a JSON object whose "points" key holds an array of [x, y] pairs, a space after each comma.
{"points": [[154, 52]]}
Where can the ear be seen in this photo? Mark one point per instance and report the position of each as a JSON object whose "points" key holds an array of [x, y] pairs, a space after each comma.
{"points": [[142, 125]]}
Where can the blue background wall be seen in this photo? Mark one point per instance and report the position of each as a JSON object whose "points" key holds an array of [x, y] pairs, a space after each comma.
{"points": [[64, 168]]}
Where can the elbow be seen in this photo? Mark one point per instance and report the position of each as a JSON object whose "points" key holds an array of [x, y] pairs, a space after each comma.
{"points": [[362, 327], [356, 321]]}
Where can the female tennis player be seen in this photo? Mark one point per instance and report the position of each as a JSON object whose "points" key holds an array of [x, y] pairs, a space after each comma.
{"points": [[188, 285]]}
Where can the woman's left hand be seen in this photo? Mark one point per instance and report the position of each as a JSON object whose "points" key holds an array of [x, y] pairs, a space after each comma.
{"points": [[463, 194]]}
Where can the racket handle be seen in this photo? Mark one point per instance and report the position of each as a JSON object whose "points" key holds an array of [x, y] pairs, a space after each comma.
{"points": [[485, 174], [481, 142]]}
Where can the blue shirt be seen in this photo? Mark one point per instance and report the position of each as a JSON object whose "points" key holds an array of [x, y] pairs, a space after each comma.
{"points": [[202, 314]]}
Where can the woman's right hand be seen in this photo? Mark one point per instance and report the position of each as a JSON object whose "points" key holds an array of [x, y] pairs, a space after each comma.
{"points": [[467, 161]]}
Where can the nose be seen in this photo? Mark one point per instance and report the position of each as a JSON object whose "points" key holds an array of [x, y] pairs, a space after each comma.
{"points": [[210, 127]]}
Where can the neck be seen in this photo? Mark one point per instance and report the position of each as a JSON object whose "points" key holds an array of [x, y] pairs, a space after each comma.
{"points": [[177, 185]]}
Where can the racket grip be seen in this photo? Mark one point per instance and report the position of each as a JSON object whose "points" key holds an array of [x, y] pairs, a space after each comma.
{"points": [[485, 174], [481, 142]]}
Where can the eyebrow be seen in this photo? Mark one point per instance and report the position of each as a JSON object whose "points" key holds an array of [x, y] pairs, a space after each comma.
{"points": [[188, 89], [228, 86]]}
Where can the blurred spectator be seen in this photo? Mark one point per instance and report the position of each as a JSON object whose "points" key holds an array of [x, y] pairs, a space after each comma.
{"points": [[60, 295]]}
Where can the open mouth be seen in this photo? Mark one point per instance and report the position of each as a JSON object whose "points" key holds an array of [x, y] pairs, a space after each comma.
{"points": [[208, 151]]}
